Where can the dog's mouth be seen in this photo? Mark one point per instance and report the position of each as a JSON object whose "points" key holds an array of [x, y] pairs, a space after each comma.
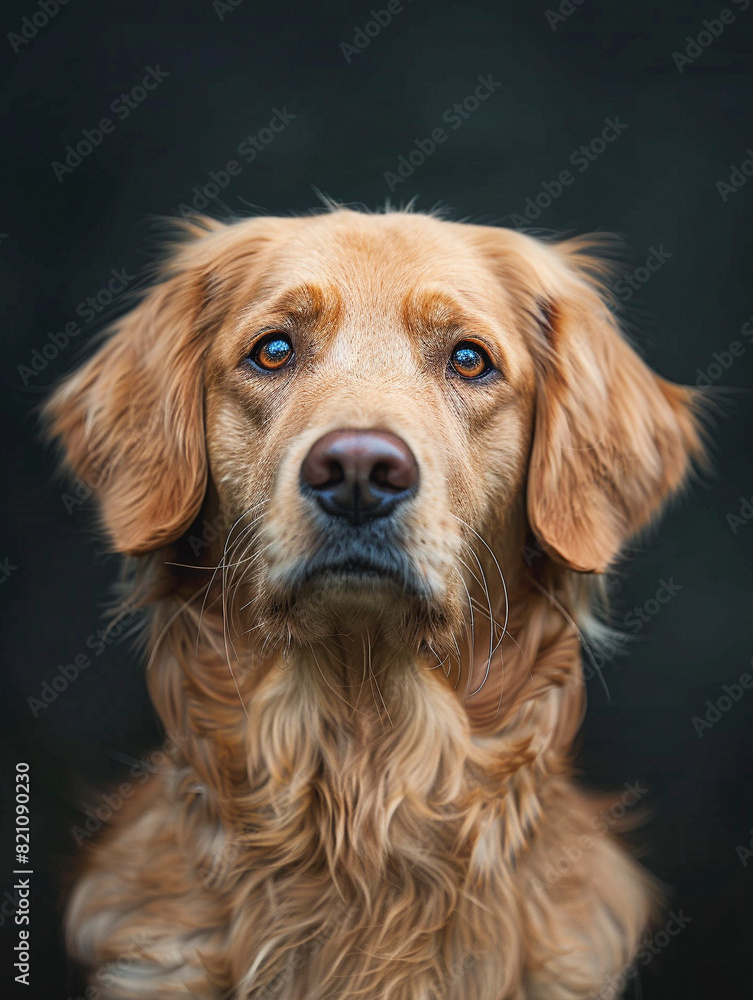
{"points": [[362, 557]]}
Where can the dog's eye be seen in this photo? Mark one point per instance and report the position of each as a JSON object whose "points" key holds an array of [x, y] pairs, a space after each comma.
{"points": [[272, 352], [470, 360]]}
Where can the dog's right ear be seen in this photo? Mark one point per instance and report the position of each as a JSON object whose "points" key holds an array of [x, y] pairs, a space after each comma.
{"points": [[130, 421]]}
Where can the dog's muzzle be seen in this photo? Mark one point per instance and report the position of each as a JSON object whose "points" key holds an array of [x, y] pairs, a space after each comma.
{"points": [[358, 481]]}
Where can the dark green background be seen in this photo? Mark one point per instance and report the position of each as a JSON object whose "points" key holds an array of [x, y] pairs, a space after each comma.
{"points": [[655, 185]]}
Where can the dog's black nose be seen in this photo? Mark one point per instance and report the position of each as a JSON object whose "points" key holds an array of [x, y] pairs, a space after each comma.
{"points": [[359, 474]]}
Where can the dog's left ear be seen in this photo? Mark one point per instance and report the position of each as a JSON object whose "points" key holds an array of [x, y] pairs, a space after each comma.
{"points": [[131, 419], [612, 440]]}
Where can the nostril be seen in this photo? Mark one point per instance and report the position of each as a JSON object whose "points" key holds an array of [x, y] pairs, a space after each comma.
{"points": [[320, 470], [395, 476], [380, 476], [334, 475]]}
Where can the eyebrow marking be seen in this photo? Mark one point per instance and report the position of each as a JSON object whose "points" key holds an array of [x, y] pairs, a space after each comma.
{"points": [[309, 303], [433, 308]]}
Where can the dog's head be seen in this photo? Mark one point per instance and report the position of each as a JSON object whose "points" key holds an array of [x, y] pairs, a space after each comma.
{"points": [[369, 403]]}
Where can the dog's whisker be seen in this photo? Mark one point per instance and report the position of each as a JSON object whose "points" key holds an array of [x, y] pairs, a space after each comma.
{"points": [[574, 625], [225, 633], [253, 628], [460, 661], [367, 672], [471, 636], [504, 588], [247, 530], [526, 664], [385, 667], [499, 569], [491, 624], [364, 676], [439, 662], [243, 559], [376, 682], [237, 580], [324, 678], [184, 605], [242, 554], [214, 574], [180, 565], [486, 613]]}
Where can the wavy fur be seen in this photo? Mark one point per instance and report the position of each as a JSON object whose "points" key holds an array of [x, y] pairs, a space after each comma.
{"points": [[368, 792]]}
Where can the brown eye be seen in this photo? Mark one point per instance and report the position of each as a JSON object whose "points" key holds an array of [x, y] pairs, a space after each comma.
{"points": [[272, 352], [470, 360]]}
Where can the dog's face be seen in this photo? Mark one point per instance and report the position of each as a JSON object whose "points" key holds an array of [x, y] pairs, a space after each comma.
{"points": [[372, 403], [369, 402]]}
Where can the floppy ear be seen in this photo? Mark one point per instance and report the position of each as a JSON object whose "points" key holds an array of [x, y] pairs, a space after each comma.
{"points": [[131, 420], [612, 440]]}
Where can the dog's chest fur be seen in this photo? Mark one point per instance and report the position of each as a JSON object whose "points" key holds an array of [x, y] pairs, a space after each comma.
{"points": [[331, 846], [369, 841]]}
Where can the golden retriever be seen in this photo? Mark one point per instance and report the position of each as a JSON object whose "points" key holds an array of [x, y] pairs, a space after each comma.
{"points": [[368, 470]]}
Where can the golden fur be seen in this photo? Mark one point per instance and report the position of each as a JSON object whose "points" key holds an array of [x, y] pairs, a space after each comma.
{"points": [[367, 783]]}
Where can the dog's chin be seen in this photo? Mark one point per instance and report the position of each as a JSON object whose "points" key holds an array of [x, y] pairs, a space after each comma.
{"points": [[335, 593], [377, 587]]}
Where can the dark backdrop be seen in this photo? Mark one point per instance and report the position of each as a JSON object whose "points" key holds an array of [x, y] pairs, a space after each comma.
{"points": [[673, 184]]}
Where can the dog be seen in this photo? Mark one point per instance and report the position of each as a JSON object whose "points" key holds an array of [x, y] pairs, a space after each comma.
{"points": [[368, 472]]}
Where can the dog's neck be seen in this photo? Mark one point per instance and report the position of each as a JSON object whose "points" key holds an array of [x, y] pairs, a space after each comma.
{"points": [[346, 701]]}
